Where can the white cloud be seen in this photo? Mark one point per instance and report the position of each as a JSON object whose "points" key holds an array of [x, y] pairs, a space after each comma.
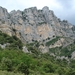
{"points": [[22, 4]]}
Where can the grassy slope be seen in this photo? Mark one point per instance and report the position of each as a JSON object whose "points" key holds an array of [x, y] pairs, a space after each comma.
{"points": [[14, 42], [9, 73], [14, 60]]}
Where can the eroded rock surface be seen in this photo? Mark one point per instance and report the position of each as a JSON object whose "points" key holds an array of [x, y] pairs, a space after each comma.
{"points": [[33, 24]]}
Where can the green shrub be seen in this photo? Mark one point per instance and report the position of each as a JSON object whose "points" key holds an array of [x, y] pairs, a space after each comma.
{"points": [[52, 41], [6, 64], [22, 67], [48, 68], [9, 73], [13, 41]]}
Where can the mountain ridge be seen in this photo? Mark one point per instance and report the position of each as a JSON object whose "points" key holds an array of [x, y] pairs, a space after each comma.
{"points": [[38, 43], [32, 24]]}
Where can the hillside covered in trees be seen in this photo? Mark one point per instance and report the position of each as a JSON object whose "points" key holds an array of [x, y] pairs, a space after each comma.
{"points": [[13, 61]]}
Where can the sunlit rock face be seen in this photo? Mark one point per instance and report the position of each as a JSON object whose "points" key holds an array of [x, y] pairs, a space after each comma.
{"points": [[33, 24]]}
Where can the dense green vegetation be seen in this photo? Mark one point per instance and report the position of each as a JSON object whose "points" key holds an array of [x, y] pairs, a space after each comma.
{"points": [[9, 73], [44, 64], [63, 51], [15, 62], [33, 47], [51, 42], [67, 51], [14, 42]]}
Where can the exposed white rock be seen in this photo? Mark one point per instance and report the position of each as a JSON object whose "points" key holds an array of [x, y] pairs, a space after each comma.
{"points": [[33, 24], [25, 49], [43, 49], [73, 55]]}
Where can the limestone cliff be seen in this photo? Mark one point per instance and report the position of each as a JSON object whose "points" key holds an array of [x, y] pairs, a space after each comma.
{"points": [[33, 24]]}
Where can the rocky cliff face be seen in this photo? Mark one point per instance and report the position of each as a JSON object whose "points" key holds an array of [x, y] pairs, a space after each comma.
{"points": [[32, 24]]}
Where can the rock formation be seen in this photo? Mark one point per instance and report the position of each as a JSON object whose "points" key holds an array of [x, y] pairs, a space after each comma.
{"points": [[33, 24]]}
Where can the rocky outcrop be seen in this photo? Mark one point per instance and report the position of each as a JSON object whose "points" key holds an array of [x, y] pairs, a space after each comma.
{"points": [[3, 46], [73, 55], [25, 49], [32, 24], [58, 43], [43, 49]]}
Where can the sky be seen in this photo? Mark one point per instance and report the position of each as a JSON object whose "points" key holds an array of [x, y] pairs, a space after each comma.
{"points": [[63, 9]]}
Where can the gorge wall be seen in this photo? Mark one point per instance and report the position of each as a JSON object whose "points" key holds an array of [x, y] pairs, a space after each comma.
{"points": [[33, 24]]}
